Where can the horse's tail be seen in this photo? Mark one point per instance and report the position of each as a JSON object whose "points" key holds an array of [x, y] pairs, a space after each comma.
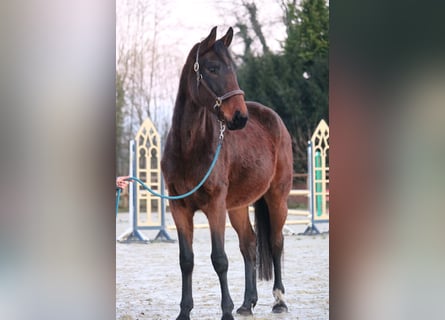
{"points": [[264, 248]]}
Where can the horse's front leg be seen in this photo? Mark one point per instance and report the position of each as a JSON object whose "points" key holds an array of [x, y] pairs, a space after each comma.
{"points": [[247, 242], [183, 218], [217, 223]]}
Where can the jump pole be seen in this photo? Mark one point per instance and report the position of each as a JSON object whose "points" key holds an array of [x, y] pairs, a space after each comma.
{"points": [[311, 228], [163, 234]]}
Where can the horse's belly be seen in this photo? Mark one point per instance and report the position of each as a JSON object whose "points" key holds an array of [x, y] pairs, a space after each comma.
{"points": [[244, 190]]}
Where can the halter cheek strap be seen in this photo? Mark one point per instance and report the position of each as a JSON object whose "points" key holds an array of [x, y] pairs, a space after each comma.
{"points": [[199, 79], [196, 68]]}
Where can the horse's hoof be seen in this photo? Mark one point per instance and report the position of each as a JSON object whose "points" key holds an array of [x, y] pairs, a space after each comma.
{"points": [[227, 316], [244, 311], [183, 317], [279, 308]]}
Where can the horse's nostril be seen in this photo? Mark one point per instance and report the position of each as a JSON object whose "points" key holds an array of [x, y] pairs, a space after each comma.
{"points": [[241, 121], [238, 121]]}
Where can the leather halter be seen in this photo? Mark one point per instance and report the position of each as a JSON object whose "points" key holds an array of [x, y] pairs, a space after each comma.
{"points": [[218, 99]]}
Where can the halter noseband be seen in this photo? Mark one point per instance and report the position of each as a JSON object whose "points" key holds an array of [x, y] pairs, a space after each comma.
{"points": [[199, 79]]}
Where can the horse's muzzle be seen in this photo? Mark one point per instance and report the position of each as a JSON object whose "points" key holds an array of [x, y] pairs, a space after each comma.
{"points": [[238, 121]]}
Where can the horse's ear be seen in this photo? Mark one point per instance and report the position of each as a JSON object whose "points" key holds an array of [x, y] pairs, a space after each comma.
{"points": [[209, 41], [227, 39]]}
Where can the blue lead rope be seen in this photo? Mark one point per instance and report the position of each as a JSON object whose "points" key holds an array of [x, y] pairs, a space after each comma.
{"points": [[182, 196], [118, 196]]}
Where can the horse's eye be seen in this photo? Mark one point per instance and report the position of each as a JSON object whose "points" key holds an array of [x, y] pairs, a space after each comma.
{"points": [[213, 69]]}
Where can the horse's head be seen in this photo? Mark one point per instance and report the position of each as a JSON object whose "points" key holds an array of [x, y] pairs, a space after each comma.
{"points": [[214, 80]]}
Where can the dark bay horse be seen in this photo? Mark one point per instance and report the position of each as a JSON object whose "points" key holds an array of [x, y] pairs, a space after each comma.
{"points": [[254, 166]]}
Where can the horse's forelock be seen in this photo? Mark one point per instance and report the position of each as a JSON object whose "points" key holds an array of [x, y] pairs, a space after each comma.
{"points": [[223, 52]]}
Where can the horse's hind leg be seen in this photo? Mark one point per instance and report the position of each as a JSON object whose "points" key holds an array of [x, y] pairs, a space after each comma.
{"points": [[247, 241], [184, 223], [277, 206]]}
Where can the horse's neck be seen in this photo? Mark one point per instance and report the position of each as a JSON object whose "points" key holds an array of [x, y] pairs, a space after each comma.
{"points": [[194, 128]]}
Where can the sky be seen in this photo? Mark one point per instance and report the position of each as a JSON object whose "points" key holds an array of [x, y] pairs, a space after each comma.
{"points": [[183, 23], [199, 16]]}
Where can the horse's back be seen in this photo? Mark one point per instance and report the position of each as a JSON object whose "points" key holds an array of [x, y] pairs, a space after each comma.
{"points": [[268, 119]]}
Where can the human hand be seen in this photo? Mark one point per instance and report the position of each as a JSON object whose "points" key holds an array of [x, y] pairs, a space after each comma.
{"points": [[121, 182]]}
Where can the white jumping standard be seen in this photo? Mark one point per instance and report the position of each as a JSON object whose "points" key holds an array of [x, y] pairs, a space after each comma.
{"points": [[318, 176], [146, 211]]}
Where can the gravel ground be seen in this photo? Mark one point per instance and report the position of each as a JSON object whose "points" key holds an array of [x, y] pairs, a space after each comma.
{"points": [[148, 280]]}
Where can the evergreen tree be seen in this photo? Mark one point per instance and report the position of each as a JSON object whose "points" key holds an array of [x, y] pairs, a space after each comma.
{"points": [[306, 49], [295, 81]]}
